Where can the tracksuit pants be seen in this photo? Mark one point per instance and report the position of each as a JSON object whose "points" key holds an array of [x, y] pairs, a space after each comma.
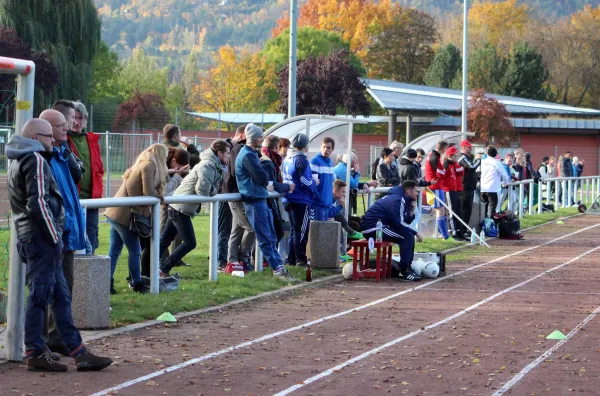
{"points": [[299, 215]]}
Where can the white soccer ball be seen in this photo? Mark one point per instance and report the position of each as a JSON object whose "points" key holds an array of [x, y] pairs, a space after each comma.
{"points": [[347, 271], [417, 266], [431, 270]]}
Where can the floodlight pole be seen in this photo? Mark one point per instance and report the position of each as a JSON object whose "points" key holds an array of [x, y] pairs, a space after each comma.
{"points": [[463, 114], [292, 65], [15, 311]]}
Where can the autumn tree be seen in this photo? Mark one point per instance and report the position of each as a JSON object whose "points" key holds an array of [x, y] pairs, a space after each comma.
{"points": [[443, 67], [525, 74], [146, 110], [490, 120], [403, 50], [310, 42], [236, 83], [325, 84]]}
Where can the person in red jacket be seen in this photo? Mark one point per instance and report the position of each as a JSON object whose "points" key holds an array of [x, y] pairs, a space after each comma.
{"points": [[435, 174], [86, 147], [452, 186]]}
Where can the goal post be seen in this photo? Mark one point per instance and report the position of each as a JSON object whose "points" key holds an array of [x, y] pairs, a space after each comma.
{"points": [[15, 312]]}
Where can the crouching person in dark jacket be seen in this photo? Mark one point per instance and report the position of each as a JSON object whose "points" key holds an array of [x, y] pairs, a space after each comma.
{"points": [[396, 212], [39, 217], [252, 182]]}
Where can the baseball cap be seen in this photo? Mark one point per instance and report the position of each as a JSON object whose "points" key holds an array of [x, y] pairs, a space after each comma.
{"points": [[465, 143], [451, 151]]}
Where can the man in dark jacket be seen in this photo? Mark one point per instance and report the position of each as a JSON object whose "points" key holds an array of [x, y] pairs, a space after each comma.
{"points": [[409, 171], [38, 217], [396, 212], [469, 182], [253, 183]]}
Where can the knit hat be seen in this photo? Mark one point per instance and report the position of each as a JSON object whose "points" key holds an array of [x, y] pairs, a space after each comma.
{"points": [[253, 132], [411, 153], [300, 141]]}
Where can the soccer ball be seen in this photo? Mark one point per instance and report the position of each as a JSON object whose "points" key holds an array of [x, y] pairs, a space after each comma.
{"points": [[431, 270], [347, 271], [417, 266]]}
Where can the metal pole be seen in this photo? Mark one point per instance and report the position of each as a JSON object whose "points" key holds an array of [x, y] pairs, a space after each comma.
{"points": [[465, 66], [564, 194], [593, 188], [213, 241], [548, 191], [540, 197], [258, 258], [349, 189], [392, 126], [15, 309], [369, 199], [408, 129], [521, 199], [556, 194], [107, 164], [307, 129], [510, 197], [570, 192], [155, 249], [92, 117], [587, 191], [292, 64], [530, 199]]}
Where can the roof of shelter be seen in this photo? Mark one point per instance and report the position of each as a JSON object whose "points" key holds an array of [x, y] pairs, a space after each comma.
{"points": [[392, 95]]}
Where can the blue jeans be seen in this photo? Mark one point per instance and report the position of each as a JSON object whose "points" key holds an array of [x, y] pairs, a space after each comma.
{"points": [[119, 236], [177, 224], [261, 219], [47, 285], [319, 213], [224, 228], [91, 227]]}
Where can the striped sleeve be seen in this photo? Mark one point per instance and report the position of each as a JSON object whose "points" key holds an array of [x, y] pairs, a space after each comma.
{"points": [[39, 193]]}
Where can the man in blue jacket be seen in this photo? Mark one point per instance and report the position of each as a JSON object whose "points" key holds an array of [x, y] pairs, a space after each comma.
{"points": [[396, 212], [322, 165], [252, 182], [296, 170], [74, 230]]}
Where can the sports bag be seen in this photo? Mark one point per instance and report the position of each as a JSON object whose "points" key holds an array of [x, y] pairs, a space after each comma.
{"points": [[509, 226], [489, 228]]}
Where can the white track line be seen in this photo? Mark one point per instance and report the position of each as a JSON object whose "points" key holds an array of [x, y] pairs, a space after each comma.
{"points": [[545, 355], [484, 290], [317, 321], [426, 328]]}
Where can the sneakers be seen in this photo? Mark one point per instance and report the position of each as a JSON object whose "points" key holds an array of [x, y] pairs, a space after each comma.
{"points": [[87, 361], [248, 267], [230, 267], [285, 275], [58, 349], [113, 291], [221, 268], [410, 276], [45, 362], [356, 235], [53, 355], [140, 288]]}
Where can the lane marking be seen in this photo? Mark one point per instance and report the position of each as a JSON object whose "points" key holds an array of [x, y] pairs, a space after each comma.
{"points": [[545, 355], [426, 328], [323, 319], [482, 290]]}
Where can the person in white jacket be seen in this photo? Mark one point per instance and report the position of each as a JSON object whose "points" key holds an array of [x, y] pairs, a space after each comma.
{"points": [[493, 175]]}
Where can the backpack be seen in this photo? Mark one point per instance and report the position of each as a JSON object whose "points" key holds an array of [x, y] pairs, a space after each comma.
{"points": [[489, 228], [374, 166], [509, 226]]}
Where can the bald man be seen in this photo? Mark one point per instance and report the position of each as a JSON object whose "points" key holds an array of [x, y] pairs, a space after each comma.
{"points": [[60, 127], [73, 236], [38, 216]]}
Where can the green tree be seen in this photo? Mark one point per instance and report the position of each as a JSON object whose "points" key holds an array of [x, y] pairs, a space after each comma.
{"points": [[189, 77], [68, 31], [446, 63], [525, 74], [486, 69], [310, 42], [402, 50], [105, 74], [141, 73]]}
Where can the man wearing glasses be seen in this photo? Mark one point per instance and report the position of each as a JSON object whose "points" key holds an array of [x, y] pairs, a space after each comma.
{"points": [[38, 216]]}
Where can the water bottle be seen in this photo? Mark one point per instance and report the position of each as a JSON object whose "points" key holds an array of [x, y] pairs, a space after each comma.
{"points": [[238, 273], [473, 237], [482, 237], [379, 233]]}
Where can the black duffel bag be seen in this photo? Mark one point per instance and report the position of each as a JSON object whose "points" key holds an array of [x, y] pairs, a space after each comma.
{"points": [[509, 226]]}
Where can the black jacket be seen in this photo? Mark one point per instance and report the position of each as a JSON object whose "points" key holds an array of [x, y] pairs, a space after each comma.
{"points": [[230, 183], [411, 171], [387, 176], [566, 168], [470, 175], [35, 199]]}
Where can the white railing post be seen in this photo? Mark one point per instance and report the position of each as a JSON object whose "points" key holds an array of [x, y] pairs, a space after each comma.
{"points": [[155, 249], [563, 186], [521, 199], [530, 199], [597, 188], [570, 192], [369, 199], [579, 184], [258, 258], [540, 196], [593, 189], [556, 194], [419, 210], [509, 193], [548, 192], [213, 241], [107, 164]]}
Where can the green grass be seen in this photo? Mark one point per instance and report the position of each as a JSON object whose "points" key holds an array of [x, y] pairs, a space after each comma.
{"points": [[530, 221]]}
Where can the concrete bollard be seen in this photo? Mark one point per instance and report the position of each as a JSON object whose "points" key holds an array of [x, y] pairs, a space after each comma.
{"points": [[324, 244], [91, 292]]}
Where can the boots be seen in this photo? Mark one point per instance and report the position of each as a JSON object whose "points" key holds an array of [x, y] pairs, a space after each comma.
{"points": [[45, 362], [113, 291], [90, 362]]}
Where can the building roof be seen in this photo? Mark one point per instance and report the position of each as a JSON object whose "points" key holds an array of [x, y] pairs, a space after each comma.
{"points": [[536, 123], [418, 98], [270, 118]]}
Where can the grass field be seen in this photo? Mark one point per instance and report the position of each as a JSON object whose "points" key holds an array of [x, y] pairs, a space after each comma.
{"points": [[196, 292]]}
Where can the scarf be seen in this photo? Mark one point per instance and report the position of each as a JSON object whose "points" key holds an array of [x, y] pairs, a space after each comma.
{"points": [[277, 161]]}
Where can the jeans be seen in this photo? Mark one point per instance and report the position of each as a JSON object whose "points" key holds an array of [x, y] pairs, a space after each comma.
{"points": [[119, 236], [300, 223], [177, 224], [242, 238], [47, 285], [491, 201], [319, 213], [225, 219], [261, 219], [50, 332], [467, 207], [91, 227]]}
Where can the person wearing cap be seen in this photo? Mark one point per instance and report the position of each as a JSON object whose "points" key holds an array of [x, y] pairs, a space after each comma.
{"points": [[435, 173], [469, 181], [451, 183], [296, 170], [253, 183]]}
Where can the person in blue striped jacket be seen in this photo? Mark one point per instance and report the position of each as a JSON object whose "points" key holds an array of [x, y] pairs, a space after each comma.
{"points": [[296, 170], [322, 166]]}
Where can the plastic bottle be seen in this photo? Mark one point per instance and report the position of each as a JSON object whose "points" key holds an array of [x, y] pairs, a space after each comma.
{"points": [[482, 237], [473, 237], [379, 233], [238, 273], [308, 273]]}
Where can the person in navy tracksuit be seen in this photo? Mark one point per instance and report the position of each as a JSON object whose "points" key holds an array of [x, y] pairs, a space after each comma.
{"points": [[296, 170], [322, 165], [396, 212]]}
